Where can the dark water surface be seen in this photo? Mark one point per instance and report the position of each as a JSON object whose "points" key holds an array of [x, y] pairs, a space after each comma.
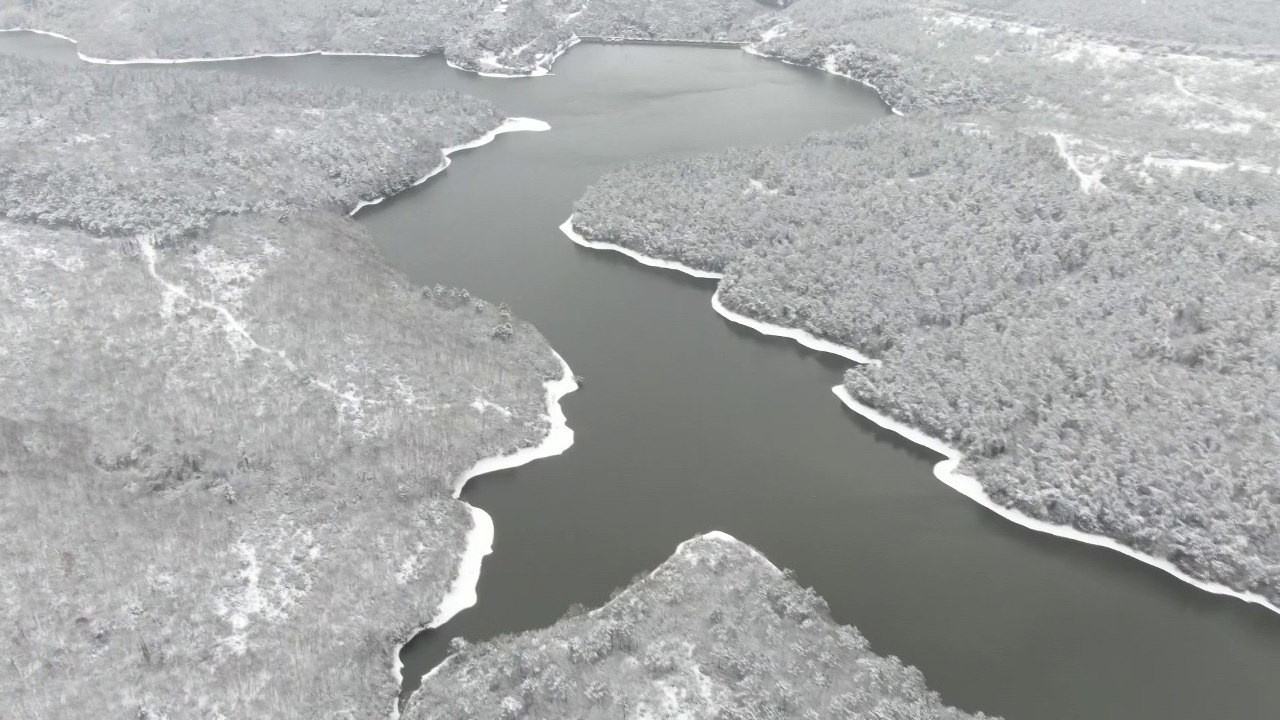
{"points": [[687, 423]]}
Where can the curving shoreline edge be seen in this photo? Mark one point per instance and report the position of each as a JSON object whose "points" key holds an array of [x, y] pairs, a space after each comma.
{"points": [[805, 338], [946, 470], [515, 124], [479, 543], [828, 66], [542, 65], [186, 61], [462, 593], [683, 547], [567, 228]]}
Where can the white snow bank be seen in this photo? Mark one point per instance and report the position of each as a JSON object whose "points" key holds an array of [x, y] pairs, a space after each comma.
{"points": [[803, 337], [462, 594], [559, 437], [947, 472], [508, 125]]}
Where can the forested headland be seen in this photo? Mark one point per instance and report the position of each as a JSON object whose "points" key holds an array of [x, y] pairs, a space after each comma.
{"points": [[229, 432], [715, 632], [1106, 360], [1064, 255], [164, 152]]}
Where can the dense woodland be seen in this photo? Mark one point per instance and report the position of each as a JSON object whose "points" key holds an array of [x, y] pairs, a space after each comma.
{"points": [[166, 151], [262, 382], [528, 33], [938, 57], [1054, 281], [1230, 25], [715, 632], [1106, 360]]}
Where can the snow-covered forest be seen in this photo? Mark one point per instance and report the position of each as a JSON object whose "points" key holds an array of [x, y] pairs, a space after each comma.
{"points": [[1230, 25], [1064, 255], [166, 151], [715, 632], [499, 36], [1107, 360], [229, 432]]}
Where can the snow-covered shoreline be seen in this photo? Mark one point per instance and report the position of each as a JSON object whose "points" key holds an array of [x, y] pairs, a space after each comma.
{"points": [[558, 439], [479, 543], [184, 61], [946, 470], [681, 549], [828, 66], [567, 228], [542, 67], [509, 125], [803, 337]]}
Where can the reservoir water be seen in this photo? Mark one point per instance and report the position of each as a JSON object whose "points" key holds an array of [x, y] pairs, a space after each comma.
{"points": [[687, 423]]}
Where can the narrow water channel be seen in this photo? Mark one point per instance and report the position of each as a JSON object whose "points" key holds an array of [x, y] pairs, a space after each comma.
{"points": [[686, 423]]}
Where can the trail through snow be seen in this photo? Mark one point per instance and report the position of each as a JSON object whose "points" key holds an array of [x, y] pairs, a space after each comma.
{"points": [[350, 404]]}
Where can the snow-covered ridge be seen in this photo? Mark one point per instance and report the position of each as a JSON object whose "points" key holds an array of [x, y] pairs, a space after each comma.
{"points": [[509, 125], [541, 65], [946, 471], [685, 550], [567, 228]]}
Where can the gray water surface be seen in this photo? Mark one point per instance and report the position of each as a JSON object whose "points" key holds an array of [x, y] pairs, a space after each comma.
{"points": [[687, 423]]}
